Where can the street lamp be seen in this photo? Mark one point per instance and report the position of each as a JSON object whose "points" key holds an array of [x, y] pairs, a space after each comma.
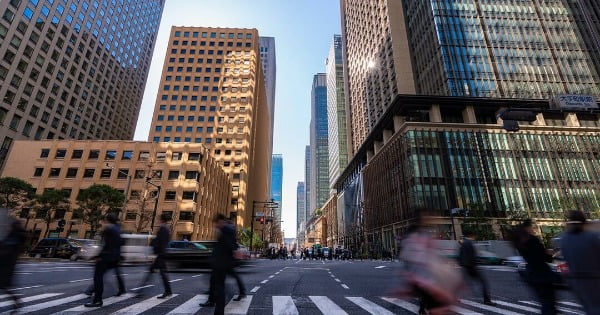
{"points": [[155, 201], [129, 177]]}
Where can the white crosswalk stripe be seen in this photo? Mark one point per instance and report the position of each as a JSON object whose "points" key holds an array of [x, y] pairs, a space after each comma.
{"points": [[562, 309], [489, 308], [49, 304], [239, 307], [369, 306], [82, 309], [326, 306], [284, 305], [142, 306], [403, 304], [570, 304], [519, 307], [31, 299], [191, 306]]}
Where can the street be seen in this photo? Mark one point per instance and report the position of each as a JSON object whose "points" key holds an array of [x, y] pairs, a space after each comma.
{"points": [[273, 287]]}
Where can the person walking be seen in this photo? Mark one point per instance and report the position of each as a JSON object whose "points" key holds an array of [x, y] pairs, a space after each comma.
{"points": [[539, 275], [10, 249], [467, 258], [159, 245], [109, 258], [581, 250]]}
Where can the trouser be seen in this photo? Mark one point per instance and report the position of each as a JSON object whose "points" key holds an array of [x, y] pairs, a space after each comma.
{"points": [[101, 268], [212, 284], [474, 274], [547, 298], [160, 264], [219, 289]]}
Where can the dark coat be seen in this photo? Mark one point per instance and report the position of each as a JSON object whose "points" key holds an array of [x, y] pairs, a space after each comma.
{"points": [[222, 254], [161, 241], [10, 249], [535, 255], [467, 256], [111, 251]]}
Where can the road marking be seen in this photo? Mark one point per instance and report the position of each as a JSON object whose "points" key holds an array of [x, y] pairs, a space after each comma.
{"points": [[332, 276], [517, 306], [562, 309], [489, 308], [326, 306], [271, 276], [463, 311], [369, 306], [380, 267], [80, 280], [264, 281], [254, 289], [4, 296], [403, 304], [31, 298], [139, 288], [238, 307], [191, 306], [570, 304], [82, 309], [49, 304], [196, 276], [22, 273], [143, 306], [345, 286], [284, 305], [175, 280], [337, 280], [24, 288], [277, 272]]}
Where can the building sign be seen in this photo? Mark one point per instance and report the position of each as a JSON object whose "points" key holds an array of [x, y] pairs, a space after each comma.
{"points": [[574, 102]]}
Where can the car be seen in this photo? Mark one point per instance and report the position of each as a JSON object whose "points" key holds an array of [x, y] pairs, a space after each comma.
{"points": [[485, 257], [185, 254], [136, 248], [56, 248], [89, 248], [558, 266], [513, 261]]}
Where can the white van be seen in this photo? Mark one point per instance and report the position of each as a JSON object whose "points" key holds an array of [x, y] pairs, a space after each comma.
{"points": [[136, 248]]}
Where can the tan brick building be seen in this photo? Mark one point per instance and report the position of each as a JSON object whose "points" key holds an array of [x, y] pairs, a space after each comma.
{"points": [[212, 92], [193, 187]]}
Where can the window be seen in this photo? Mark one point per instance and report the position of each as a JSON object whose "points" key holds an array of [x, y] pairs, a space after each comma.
{"points": [[170, 195], [140, 174], [45, 153], [189, 195], [186, 216], [173, 175], [105, 173], [77, 154], [54, 172], [61, 153], [161, 156], [192, 175], [71, 172], [176, 156], [110, 155], [144, 156], [127, 155], [94, 154], [88, 173], [38, 172], [123, 173]]}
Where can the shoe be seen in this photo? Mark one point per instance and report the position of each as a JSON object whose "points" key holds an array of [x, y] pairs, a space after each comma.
{"points": [[208, 304], [88, 293], [93, 304], [164, 295], [240, 297], [120, 293], [489, 302]]}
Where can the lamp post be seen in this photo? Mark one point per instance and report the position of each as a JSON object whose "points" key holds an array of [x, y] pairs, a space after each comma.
{"points": [[155, 201]]}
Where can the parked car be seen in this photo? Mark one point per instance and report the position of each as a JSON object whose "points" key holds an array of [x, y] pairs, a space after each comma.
{"points": [[513, 261], [185, 254], [89, 248], [485, 257], [56, 248], [558, 266]]}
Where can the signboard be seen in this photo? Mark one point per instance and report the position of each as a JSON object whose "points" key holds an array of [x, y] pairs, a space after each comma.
{"points": [[574, 102], [260, 214]]}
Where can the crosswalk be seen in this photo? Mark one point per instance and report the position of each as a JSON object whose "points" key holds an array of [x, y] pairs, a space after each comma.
{"points": [[129, 304]]}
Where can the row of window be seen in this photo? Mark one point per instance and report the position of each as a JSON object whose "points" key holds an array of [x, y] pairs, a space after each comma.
{"points": [[202, 108], [122, 173], [125, 155], [222, 35], [211, 44]]}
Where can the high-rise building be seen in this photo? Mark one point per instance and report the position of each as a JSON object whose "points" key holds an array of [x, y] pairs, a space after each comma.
{"points": [[269, 65], [300, 205], [336, 111], [319, 158], [307, 187], [74, 69], [277, 183], [212, 91]]}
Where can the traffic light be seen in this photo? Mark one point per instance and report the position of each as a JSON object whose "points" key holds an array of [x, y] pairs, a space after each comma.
{"points": [[262, 220]]}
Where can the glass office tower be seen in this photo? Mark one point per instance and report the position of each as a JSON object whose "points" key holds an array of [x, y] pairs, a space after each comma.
{"points": [[277, 182], [319, 151]]}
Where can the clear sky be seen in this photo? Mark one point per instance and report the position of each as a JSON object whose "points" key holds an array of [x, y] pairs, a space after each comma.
{"points": [[303, 31]]}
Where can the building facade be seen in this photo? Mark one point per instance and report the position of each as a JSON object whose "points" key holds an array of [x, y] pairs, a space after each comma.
{"points": [[212, 92], [307, 181], [269, 65], [277, 183], [193, 186], [74, 69], [319, 150], [336, 111], [300, 206]]}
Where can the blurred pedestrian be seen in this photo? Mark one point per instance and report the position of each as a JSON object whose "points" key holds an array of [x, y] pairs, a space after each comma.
{"points": [[467, 258], [159, 245], [10, 249], [581, 250], [107, 259], [539, 276]]}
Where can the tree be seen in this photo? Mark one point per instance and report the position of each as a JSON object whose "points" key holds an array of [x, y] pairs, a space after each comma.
{"points": [[244, 238], [145, 204], [15, 192], [49, 203], [478, 222], [96, 201]]}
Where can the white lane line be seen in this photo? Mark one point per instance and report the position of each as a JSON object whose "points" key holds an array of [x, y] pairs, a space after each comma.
{"points": [[369, 306], [517, 306], [53, 303], [403, 304], [379, 267], [25, 288], [489, 308], [196, 276], [332, 276], [31, 298], [109, 301], [337, 280], [4, 296], [139, 288], [562, 309], [326, 306], [238, 307], [463, 311], [264, 281], [277, 272], [143, 306], [175, 280], [80, 280], [271, 277], [345, 286], [254, 289], [570, 304], [191, 306], [22, 273], [284, 305]]}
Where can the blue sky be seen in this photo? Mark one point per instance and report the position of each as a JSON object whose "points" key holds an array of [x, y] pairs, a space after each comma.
{"points": [[303, 32]]}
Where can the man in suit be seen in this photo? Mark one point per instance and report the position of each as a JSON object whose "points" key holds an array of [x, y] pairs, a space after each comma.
{"points": [[222, 260], [160, 244], [468, 260], [109, 258]]}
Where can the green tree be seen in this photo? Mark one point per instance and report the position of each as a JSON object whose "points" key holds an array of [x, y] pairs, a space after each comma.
{"points": [[244, 238], [49, 203], [16, 193], [96, 201], [478, 222]]}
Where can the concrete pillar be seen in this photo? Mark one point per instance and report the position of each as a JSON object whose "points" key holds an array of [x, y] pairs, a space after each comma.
{"points": [[572, 120], [378, 145], [398, 122], [469, 115], [539, 120], [370, 155], [387, 135], [435, 115]]}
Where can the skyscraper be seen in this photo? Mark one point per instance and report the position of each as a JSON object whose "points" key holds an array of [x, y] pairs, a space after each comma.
{"points": [[74, 69], [269, 64], [307, 181], [212, 92], [277, 182], [336, 111], [319, 158], [300, 206]]}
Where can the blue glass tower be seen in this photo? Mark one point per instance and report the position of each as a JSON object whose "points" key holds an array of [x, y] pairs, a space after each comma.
{"points": [[319, 149], [277, 182]]}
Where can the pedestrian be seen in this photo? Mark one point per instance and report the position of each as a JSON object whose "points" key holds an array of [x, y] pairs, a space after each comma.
{"points": [[159, 245], [108, 258], [581, 250], [539, 276], [467, 258], [10, 249]]}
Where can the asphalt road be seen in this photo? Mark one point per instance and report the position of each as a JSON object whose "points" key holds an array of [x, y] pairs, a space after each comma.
{"points": [[273, 286]]}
